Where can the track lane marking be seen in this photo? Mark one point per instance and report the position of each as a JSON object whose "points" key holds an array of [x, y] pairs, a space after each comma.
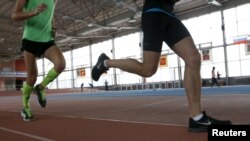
{"points": [[104, 119], [25, 134]]}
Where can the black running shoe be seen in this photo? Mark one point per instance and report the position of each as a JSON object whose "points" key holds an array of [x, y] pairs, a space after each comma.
{"points": [[27, 115], [99, 67], [204, 122], [40, 96]]}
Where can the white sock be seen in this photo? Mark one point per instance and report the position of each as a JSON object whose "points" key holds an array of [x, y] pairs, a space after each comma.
{"points": [[105, 63], [198, 117]]}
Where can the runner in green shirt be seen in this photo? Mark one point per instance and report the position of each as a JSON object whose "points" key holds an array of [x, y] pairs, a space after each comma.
{"points": [[38, 41]]}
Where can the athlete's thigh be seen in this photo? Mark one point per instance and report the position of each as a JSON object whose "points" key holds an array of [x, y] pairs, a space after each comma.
{"points": [[187, 50], [174, 31], [152, 28], [30, 63], [54, 54], [151, 59], [178, 38]]}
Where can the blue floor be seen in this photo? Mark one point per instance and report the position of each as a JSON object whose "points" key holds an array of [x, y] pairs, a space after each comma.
{"points": [[159, 92]]}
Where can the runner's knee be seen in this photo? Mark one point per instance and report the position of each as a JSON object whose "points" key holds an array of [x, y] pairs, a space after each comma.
{"points": [[149, 72], [31, 80], [194, 61], [59, 67]]}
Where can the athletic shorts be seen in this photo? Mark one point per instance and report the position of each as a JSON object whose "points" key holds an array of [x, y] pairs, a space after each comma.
{"points": [[36, 48], [158, 27]]}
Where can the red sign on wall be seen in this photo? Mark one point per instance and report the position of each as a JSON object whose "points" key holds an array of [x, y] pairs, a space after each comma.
{"points": [[81, 72], [163, 61]]}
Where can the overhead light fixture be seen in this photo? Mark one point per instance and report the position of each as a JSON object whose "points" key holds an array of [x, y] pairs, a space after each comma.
{"points": [[132, 19], [80, 21], [1, 40], [20, 28], [214, 2], [68, 18], [90, 25], [96, 25], [69, 38]]}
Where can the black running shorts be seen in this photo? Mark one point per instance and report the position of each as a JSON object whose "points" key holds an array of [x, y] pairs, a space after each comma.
{"points": [[158, 27], [36, 48]]}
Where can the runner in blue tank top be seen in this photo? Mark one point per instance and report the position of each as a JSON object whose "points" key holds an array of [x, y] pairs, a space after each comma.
{"points": [[159, 24]]}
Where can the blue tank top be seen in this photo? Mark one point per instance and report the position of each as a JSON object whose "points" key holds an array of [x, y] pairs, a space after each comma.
{"points": [[164, 6]]}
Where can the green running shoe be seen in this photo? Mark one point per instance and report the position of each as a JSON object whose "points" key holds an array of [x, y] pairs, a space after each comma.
{"points": [[40, 96], [27, 115]]}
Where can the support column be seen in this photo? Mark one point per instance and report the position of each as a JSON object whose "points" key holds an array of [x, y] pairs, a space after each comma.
{"points": [[90, 60], [72, 70], [143, 79], [43, 67], [224, 44], [113, 53]]}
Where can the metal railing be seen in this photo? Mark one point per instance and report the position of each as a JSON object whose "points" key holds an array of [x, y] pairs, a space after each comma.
{"points": [[153, 85]]}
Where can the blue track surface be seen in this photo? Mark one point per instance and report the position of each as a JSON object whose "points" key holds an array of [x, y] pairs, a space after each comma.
{"points": [[159, 92]]}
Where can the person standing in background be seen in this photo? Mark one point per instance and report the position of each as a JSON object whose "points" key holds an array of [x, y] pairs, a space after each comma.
{"points": [[82, 85], [214, 80], [218, 76]]}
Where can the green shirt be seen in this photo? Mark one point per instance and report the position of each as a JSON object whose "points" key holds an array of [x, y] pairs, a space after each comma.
{"points": [[38, 28]]}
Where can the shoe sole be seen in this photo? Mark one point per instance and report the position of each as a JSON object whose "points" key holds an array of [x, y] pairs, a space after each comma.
{"points": [[43, 106], [24, 119], [96, 79], [102, 57]]}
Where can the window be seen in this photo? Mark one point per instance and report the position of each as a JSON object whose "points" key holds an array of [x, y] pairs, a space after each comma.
{"points": [[205, 28]]}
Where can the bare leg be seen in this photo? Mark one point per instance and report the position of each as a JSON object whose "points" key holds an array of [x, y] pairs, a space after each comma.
{"points": [[30, 63], [55, 55], [192, 79], [146, 69]]}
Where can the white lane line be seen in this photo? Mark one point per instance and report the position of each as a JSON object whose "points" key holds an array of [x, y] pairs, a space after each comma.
{"points": [[25, 134], [107, 119], [115, 120], [136, 122]]}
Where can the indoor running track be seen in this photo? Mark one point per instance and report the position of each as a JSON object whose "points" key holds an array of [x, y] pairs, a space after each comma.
{"points": [[148, 115]]}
